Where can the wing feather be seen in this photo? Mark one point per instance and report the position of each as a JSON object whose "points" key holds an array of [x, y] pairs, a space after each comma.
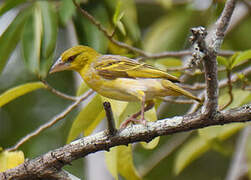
{"points": [[112, 67]]}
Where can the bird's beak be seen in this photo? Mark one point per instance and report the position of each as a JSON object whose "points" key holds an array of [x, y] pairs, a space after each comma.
{"points": [[59, 65]]}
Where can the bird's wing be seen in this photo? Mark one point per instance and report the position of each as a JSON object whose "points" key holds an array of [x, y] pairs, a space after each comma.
{"points": [[112, 67]]}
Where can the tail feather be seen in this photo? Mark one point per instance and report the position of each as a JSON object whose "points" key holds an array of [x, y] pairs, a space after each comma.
{"points": [[173, 87]]}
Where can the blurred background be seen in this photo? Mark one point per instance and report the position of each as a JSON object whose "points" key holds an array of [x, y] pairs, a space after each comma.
{"points": [[152, 25]]}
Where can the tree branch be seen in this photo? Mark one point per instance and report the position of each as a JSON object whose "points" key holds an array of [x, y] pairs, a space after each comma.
{"points": [[58, 93], [208, 46], [230, 88], [110, 119], [145, 55], [51, 122], [53, 161], [213, 42], [222, 83]]}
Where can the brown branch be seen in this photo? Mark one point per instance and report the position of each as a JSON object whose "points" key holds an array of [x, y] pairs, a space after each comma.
{"points": [[110, 119], [145, 55], [58, 93], [213, 42], [238, 167], [216, 36], [166, 54], [106, 33], [51, 122], [170, 100], [53, 161], [230, 88], [222, 83], [197, 105]]}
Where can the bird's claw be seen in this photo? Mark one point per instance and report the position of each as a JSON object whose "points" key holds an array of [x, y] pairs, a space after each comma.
{"points": [[133, 120]]}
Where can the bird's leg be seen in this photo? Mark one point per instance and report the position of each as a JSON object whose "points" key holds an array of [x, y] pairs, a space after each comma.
{"points": [[132, 118], [142, 113]]}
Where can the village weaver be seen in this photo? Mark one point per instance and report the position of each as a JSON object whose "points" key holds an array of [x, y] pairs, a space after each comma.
{"points": [[118, 77]]}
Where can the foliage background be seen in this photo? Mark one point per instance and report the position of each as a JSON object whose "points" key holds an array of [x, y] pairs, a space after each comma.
{"points": [[154, 26]]}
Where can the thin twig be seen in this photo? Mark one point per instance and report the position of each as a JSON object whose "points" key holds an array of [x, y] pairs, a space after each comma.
{"points": [[166, 54], [230, 88], [106, 33], [238, 166], [52, 122], [110, 119], [222, 83], [247, 3], [58, 93], [132, 48], [197, 105], [177, 101], [226, 53]]}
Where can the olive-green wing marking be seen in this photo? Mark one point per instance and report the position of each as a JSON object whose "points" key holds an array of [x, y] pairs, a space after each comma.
{"points": [[112, 67]]}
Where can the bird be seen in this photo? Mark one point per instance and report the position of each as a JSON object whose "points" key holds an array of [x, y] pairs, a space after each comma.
{"points": [[120, 78]]}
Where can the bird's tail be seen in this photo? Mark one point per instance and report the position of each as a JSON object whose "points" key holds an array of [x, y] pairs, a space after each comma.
{"points": [[173, 87]]}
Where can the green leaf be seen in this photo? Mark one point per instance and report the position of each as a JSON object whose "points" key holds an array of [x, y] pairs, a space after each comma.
{"points": [[31, 40], [118, 108], [91, 113], [118, 15], [94, 123], [17, 91], [66, 11], [167, 33], [168, 62], [122, 162], [11, 36], [125, 163], [210, 136], [82, 89], [166, 3], [232, 59], [49, 18], [151, 115], [223, 132], [229, 130], [50, 26], [247, 153], [90, 34], [220, 133], [9, 4], [193, 149], [129, 21], [240, 97], [10, 160], [242, 56], [223, 148], [222, 61], [111, 160]]}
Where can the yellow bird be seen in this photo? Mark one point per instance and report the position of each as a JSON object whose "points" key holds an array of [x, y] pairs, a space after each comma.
{"points": [[118, 77]]}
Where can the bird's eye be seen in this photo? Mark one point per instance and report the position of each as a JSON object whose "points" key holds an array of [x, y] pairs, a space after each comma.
{"points": [[71, 58]]}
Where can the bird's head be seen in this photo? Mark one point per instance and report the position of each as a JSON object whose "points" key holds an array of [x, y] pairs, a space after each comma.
{"points": [[75, 58]]}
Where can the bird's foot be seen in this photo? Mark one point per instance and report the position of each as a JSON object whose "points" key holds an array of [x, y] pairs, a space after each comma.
{"points": [[132, 120]]}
